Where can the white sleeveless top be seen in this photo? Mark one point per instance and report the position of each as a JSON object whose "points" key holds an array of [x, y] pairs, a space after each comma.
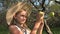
{"points": [[25, 32]]}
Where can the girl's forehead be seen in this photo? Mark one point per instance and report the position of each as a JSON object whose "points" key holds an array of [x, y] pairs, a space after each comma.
{"points": [[23, 12]]}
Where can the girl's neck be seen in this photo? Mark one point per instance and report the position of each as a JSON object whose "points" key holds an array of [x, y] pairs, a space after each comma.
{"points": [[21, 25]]}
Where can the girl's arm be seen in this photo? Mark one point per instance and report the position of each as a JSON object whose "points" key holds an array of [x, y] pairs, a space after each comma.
{"points": [[35, 28], [40, 29], [39, 21]]}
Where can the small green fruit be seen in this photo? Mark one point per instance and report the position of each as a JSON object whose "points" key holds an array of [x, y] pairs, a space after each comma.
{"points": [[51, 14]]}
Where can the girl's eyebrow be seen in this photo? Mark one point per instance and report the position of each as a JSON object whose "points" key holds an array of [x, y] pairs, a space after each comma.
{"points": [[24, 15]]}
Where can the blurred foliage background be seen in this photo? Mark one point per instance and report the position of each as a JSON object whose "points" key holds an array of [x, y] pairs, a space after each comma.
{"points": [[53, 22]]}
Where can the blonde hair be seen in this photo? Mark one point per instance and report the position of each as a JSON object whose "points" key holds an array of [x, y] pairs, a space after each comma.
{"points": [[15, 8]]}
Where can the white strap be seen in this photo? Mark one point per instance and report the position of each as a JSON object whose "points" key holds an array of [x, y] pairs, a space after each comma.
{"points": [[18, 28], [27, 32]]}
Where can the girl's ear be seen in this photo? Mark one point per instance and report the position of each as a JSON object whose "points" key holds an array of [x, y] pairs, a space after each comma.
{"points": [[14, 16]]}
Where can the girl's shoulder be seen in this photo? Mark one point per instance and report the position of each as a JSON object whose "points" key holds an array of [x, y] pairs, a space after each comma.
{"points": [[14, 27]]}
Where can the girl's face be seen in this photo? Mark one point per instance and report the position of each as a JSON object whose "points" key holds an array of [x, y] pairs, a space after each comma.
{"points": [[21, 17]]}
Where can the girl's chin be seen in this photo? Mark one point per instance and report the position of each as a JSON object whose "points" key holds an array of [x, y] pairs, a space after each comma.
{"points": [[22, 22]]}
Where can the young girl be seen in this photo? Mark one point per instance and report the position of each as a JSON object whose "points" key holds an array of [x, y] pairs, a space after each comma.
{"points": [[16, 19]]}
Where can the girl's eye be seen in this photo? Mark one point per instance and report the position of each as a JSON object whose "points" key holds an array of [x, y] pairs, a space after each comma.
{"points": [[24, 16]]}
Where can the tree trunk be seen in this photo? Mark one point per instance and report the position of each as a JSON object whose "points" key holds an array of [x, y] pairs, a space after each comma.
{"points": [[48, 30]]}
